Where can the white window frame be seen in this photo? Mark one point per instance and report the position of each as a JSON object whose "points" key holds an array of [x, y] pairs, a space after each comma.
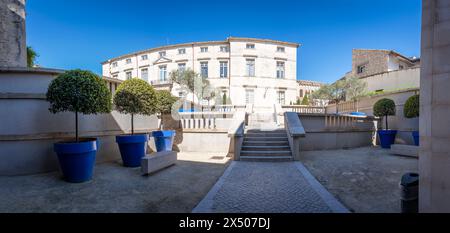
{"points": [[223, 69], [281, 69], [224, 49], [203, 49], [281, 97], [181, 66], [163, 73], [250, 67], [182, 51], [162, 54], [142, 74], [128, 75], [249, 96], [128, 61], [250, 46], [114, 64], [144, 57], [204, 65], [281, 49]]}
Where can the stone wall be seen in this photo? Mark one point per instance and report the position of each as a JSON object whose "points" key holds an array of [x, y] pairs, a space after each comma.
{"points": [[28, 130], [13, 51], [375, 61], [434, 156]]}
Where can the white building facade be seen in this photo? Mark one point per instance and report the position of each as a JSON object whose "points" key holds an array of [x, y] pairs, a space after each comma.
{"points": [[249, 71]]}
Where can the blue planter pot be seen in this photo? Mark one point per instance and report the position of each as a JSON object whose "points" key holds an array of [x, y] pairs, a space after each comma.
{"points": [[387, 138], [132, 148], [416, 137], [163, 140], [77, 160]]}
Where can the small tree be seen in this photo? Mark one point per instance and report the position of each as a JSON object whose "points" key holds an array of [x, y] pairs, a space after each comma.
{"points": [[191, 81], [164, 104], [299, 102], [305, 100], [135, 96], [384, 108], [412, 107], [31, 57], [79, 91], [354, 88]]}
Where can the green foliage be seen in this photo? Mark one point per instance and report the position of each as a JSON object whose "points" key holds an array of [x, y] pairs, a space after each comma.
{"points": [[350, 88], [305, 100], [412, 107], [136, 96], [384, 107], [224, 98], [299, 102], [354, 88], [165, 101], [79, 91], [31, 57]]}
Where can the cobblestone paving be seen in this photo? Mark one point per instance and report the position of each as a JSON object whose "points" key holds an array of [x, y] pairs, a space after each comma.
{"points": [[254, 187]]}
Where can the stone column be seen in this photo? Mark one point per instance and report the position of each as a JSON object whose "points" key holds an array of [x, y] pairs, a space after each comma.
{"points": [[434, 158], [13, 48]]}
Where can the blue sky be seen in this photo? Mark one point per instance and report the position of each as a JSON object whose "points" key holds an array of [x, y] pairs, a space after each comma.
{"points": [[82, 33]]}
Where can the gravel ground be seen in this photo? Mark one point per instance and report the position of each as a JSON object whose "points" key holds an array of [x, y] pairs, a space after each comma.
{"points": [[365, 180], [114, 188]]}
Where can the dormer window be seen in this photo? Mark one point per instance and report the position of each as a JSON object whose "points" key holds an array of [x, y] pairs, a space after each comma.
{"points": [[250, 46], [162, 54]]}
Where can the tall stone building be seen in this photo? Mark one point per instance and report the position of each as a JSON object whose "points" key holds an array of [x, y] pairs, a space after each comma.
{"points": [[13, 50]]}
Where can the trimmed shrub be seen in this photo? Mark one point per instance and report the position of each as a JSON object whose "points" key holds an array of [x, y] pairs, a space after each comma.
{"points": [[135, 96], [79, 91], [165, 101], [384, 108], [305, 100], [412, 107]]}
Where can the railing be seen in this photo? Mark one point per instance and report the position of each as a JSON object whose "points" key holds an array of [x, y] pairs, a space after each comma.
{"points": [[222, 108], [340, 122], [344, 107], [204, 120], [304, 109], [160, 82]]}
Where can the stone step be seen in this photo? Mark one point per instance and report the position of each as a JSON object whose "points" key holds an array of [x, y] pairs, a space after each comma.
{"points": [[266, 153], [266, 158], [266, 134], [265, 148], [265, 138], [266, 143]]}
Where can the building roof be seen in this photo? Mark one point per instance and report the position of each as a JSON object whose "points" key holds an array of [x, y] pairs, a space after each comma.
{"points": [[395, 53], [309, 83], [229, 39]]}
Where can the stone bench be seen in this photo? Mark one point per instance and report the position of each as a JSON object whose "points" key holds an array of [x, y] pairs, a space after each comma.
{"points": [[405, 150], [158, 161]]}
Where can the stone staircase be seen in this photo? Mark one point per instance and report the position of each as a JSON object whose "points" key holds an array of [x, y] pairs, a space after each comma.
{"points": [[266, 146]]}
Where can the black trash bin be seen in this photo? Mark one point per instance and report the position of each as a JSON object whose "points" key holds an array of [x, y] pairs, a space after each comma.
{"points": [[410, 193]]}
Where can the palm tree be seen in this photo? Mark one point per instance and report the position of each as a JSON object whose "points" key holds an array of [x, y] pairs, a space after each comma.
{"points": [[31, 57]]}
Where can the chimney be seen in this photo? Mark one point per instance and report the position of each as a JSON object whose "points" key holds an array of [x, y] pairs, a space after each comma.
{"points": [[13, 48]]}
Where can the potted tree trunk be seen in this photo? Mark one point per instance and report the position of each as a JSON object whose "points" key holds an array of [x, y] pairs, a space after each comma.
{"points": [[384, 108], [82, 92], [134, 96], [411, 110], [164, 138]]}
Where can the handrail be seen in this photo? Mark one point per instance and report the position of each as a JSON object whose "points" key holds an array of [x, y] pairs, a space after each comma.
{"points": [[294, 125]]}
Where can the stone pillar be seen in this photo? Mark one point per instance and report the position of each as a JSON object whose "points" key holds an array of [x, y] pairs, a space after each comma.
{"points": [[434, 157], [13, 48]]}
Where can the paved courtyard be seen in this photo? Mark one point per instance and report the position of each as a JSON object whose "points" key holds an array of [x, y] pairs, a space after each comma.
{"points": [[116, 189], [268, 187], [365, 180]]}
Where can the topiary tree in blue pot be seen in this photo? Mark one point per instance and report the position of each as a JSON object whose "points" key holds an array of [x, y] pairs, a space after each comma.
{"points": [[385, 108], [78, 91], [134, 97], [164, 138], [412, 110]]}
